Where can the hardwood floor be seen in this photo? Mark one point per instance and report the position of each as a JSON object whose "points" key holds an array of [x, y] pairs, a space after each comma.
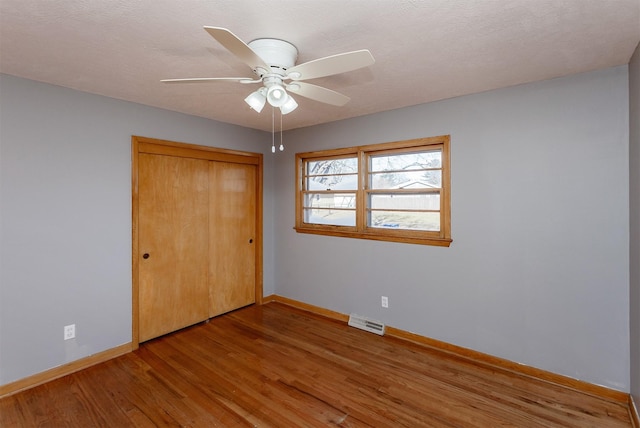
{"points": [[275, 366]]}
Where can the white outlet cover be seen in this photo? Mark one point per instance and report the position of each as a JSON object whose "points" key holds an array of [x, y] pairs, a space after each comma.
{"points": [[69, 331], [385, 302]]}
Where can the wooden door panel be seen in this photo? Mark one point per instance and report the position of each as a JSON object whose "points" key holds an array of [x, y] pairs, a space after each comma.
{"points": [[232, 245], [173, 223]]}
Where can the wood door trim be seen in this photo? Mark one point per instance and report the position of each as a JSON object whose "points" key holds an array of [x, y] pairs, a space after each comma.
{"points": [[171, 148]]}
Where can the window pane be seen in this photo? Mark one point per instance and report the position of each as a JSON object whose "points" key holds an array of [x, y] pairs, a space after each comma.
{"points": [[429, 221], [332, 182], [406, 180], [329, 200], [330, 217], [430, 201], [407, 161], [334, 174], [333, 166]]}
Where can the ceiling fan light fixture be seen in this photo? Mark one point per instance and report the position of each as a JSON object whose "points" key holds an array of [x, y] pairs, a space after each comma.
{"points": [[289, 106], [256, 100], [276, 95]]}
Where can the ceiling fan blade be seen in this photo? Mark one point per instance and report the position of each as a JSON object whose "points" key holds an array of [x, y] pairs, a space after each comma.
{"points": [[211, 79], [335, 64], [237, 47], [318, 93]]}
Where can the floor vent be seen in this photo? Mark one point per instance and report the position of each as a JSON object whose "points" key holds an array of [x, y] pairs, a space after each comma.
{"points": [[366, 324]]}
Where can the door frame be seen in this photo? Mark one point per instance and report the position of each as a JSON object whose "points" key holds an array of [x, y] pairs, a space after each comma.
{"points": [[171, 148]]}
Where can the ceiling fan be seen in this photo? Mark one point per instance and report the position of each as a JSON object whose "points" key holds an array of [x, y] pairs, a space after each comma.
{"points": [[273, 64]]}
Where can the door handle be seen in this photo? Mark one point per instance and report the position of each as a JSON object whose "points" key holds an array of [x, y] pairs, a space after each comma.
{"points": [[145, 256], [250, 241]]}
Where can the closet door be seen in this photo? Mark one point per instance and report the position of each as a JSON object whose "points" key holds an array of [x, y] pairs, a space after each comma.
{"points": [[173, 220], [232, 236]]}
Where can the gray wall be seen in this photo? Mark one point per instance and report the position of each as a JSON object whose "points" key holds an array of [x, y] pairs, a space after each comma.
{"points": [[538, 272], [65, 198], [634, 216]]}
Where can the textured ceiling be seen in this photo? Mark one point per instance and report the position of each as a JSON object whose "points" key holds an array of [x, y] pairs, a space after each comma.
{"points": [[425, 50]]}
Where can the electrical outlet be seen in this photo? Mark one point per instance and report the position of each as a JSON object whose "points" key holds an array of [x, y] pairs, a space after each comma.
{"points": [[385, 302], [69, 331]]}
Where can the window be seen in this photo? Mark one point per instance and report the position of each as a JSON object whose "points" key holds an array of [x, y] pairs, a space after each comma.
{"points": [[392, 192]]}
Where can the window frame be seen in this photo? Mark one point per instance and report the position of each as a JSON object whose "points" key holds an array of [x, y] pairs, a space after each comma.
{"points": [[361, 230]]}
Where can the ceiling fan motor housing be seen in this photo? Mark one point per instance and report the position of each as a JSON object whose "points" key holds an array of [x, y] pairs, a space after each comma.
{"points": [[278, 54]]}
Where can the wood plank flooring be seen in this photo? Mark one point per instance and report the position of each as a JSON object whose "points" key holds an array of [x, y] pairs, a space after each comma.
{"points": [[275, 366]]}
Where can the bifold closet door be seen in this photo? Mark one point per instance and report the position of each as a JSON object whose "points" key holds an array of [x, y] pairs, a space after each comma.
{"points": [[173, 243], [232, 236]]}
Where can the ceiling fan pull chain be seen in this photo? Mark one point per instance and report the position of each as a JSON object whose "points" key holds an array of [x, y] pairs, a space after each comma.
{"points": [[281, 145], [273, 132]]}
